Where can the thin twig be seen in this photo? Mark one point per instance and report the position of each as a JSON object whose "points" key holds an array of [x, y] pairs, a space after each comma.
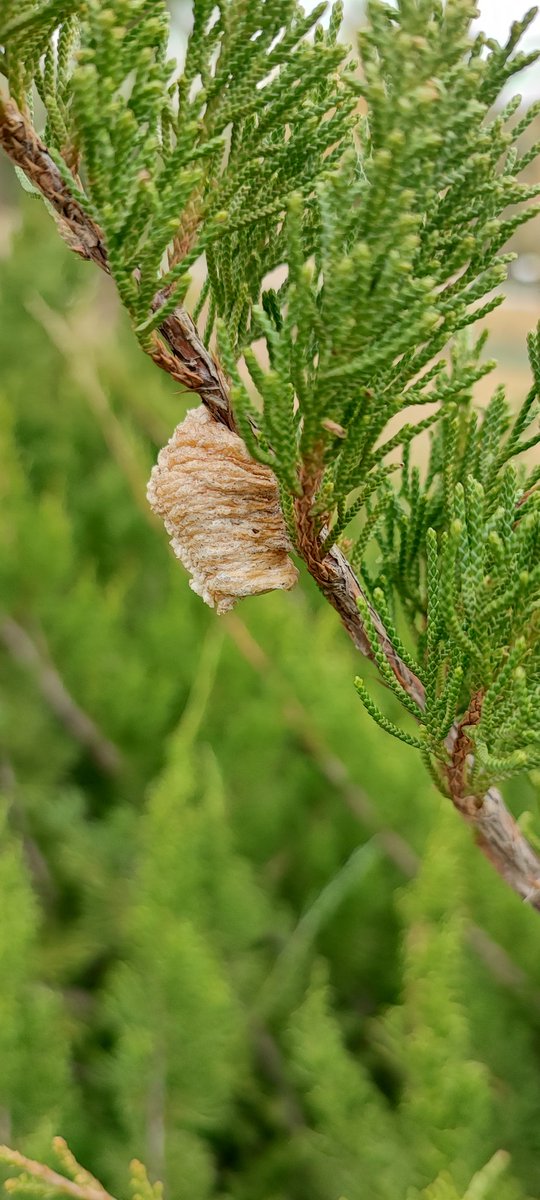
{"points": [[23, 650], [37, 863], [270, 1061], [89, 1190], [67, 339]]}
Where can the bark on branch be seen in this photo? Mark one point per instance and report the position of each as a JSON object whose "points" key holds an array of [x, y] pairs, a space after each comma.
{"points": [[179, 350]]}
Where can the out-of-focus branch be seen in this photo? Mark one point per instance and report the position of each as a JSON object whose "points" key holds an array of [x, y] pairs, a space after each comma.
{"points": [[393, 845], [67, 339], [79, 725]]}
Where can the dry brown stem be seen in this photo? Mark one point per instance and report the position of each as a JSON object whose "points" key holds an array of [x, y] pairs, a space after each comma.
{"points": [[180, 351], [188, 361], [23, 146]]}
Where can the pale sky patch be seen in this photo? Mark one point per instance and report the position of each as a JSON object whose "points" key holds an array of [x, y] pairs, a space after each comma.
{"points": [[496, 17]]}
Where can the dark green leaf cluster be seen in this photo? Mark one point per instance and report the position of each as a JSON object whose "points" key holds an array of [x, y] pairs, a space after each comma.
{"points": [[460, 547], [172, 164], [26, 30], [289, 111], [404, 249]]}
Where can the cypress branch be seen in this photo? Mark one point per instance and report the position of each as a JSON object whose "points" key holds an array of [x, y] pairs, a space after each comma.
{"points": [[390, 232]]}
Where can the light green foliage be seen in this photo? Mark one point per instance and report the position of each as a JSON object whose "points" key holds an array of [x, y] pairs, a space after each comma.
{"points": [[196, 915], [26, 30], [353, 1139], [34, 1086], [460, 550], [431, 1041], [362, 1143], [405, 240], [482, 1185], [172, 163]]}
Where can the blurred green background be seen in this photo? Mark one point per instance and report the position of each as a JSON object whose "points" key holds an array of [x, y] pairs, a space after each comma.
{"points": [[241, 936]]}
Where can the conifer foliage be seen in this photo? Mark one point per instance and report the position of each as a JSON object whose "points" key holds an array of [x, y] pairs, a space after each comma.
{"points": [[390, 231], [384, 188]]}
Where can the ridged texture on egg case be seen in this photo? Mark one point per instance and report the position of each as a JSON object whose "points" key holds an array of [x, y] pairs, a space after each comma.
{"points": [[221, 510]]}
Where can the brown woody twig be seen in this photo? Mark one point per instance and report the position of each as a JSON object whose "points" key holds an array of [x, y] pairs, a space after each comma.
{"points": [[179, 350]]}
